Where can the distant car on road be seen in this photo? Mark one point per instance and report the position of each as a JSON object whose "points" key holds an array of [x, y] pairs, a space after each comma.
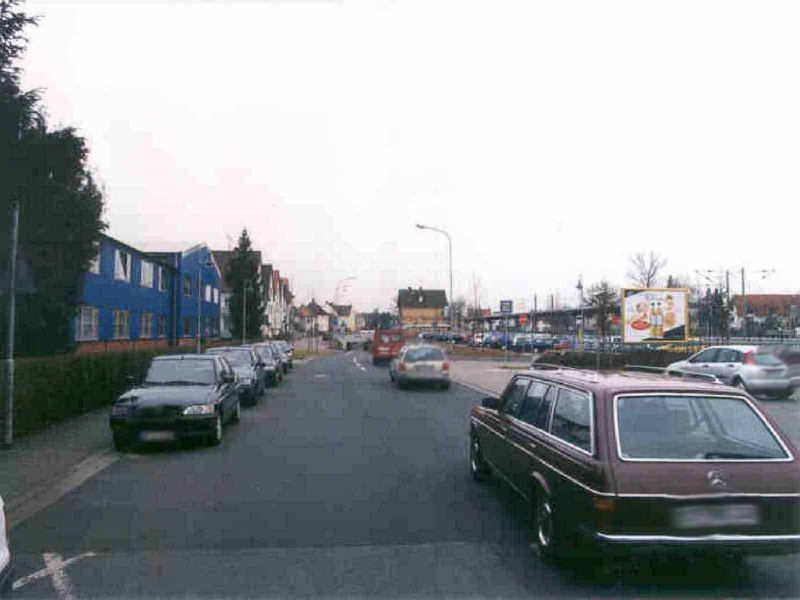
{"points": [[182, 396], [249, 370], [288, 352], [423, 363], [751, 368], [386, 344], [618, 463], [283, 357], [6, 574], [273, 372]]}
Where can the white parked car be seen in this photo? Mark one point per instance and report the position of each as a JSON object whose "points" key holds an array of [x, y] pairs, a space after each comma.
{"points": [[5, 553]]}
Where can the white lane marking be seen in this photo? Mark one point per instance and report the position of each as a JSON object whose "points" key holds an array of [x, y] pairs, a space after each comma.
{"points": [[55, 567], [48, 493], [363, 369], [321, 376]]}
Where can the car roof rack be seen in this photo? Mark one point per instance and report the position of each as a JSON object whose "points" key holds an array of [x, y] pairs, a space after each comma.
{"points": [[671, 372], [563, 368]]}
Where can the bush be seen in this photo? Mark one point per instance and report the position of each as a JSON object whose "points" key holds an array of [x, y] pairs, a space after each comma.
{"points": [[588, 360], [50, 389]]}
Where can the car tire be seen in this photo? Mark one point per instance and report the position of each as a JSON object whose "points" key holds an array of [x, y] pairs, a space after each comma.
{"points": [[477, 466], [122, 442], [215, 438], [782, 395], [237, 412], [547, 537]]}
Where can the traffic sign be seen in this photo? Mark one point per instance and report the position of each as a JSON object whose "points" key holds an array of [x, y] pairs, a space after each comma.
{"points": [[523, 319], [506, 307]]}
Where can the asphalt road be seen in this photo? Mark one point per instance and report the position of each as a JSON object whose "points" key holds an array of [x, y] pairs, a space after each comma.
{"points": [[335, 485]]}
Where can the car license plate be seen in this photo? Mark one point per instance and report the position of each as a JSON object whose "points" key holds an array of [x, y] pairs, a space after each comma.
{"points": [[727, 515], [425, 368], [157, 436]]}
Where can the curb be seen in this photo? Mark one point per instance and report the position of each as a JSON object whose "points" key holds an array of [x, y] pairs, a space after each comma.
{"points": [[476, 388]]}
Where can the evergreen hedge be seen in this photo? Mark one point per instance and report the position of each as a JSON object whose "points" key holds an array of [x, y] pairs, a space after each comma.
{"points": [[50, 389], [617, 360]]}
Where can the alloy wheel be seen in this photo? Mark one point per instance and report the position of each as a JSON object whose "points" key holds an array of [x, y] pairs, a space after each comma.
{"points": [[544, 524]]}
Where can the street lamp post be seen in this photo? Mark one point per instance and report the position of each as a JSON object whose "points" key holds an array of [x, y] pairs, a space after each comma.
{"points": [[450, 268]]}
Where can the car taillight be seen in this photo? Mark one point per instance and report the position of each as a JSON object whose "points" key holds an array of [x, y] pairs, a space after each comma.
{"points": [[445, 366], [748, 358], [402, 366]]}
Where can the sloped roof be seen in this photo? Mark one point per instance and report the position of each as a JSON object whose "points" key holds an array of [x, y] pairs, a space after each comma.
{"points": [[763, 304], [341, 310], [419, 298], [316, 310]]}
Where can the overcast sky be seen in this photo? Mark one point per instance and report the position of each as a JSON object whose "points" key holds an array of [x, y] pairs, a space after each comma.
{"points": [[549, 138]]}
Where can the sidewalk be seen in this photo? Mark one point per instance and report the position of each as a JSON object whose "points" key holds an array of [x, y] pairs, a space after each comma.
{"points": [[40, 461], [489, 377]]}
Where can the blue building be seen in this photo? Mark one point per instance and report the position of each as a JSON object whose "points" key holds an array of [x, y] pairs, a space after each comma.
{"points": [[131, 299]]}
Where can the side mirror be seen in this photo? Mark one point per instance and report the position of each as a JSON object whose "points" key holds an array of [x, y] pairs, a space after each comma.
{"points": [[491, 402]]}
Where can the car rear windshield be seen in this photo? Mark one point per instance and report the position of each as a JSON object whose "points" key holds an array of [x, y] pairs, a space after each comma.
{"points": [[764, 359], [164, 372], [387, 338], [239, 357], [693, 428], [265, 352], [421, 354]]}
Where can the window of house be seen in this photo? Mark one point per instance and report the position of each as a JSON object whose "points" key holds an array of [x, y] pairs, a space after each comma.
{"points": [[162, 325], [121, 324], [187, 326], [216, 295], [208, 293], [146, 325], [122, 265], [94, 266], [146, 277], [163, 279], [87, 328], [187, 285]]}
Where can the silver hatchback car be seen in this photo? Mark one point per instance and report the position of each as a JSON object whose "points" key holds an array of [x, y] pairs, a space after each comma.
{"points": [[423, 363], [752, 368]]}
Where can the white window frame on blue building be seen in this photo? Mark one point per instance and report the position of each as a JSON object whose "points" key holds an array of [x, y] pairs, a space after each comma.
{"points": [[87, 324], [146, 274], [118, 332], [122, 265]]}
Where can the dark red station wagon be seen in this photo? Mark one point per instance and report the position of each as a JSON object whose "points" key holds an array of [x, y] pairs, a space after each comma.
{"points": [[640, 461]]}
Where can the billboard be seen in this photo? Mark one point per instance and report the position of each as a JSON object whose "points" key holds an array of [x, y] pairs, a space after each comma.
{"points": [[654, 315]]}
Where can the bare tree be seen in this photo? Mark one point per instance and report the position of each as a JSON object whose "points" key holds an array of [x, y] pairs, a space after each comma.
{"points": [[644, 270]]}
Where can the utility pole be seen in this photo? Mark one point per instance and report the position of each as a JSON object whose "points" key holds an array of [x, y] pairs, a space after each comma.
{"points": [[744, 307], [8, 434], [244, 311]]}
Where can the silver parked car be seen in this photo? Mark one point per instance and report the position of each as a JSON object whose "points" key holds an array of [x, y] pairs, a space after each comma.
{"points": [[423, 363], [752, 368]]}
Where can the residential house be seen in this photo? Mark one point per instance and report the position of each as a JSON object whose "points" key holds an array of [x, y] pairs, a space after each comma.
{"points": [[343, 317], [278, 303], [312, 318], [420, 309], [131, 299]]}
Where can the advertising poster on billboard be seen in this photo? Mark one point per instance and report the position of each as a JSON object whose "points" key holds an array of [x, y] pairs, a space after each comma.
{"points": [[654, 315]]}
